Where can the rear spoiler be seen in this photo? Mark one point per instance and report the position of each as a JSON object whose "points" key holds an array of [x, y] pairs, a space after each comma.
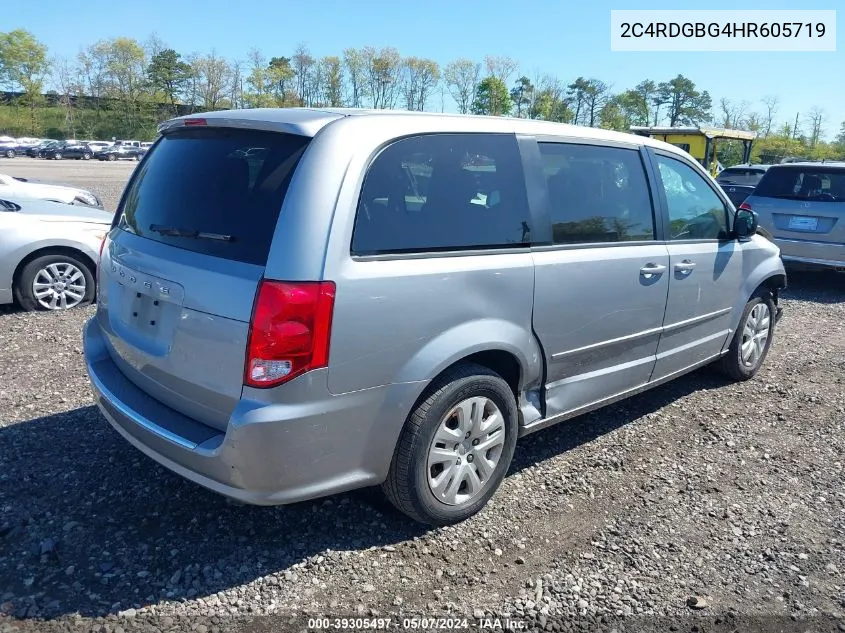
{"points": [[307, 128]]}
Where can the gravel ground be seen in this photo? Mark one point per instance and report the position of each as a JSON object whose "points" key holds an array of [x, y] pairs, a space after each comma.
{"points": [[699, 506]]}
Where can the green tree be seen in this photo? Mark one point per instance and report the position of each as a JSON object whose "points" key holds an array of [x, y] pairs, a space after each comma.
{"points": [[259, 88], [303, 66], [461, 77], [168, 74], [549, 104], [577, 93], [332, 75], [492, 97], [354, 63], [634, 106], [279, 76], [24, 67], [383, 74], [522, 95], [596, 96], [687, 106], [127, 79], [419, 78], [614, 116]]}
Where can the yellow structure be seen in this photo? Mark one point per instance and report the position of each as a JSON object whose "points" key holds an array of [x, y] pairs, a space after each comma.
{"points": [[699, 142]]}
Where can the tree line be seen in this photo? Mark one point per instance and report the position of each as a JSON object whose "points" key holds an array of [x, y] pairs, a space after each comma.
{"points": [[124, 87]]}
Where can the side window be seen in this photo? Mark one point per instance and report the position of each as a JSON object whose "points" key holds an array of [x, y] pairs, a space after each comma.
{"points": [[597, 194], [695, 211], [443, 192]]}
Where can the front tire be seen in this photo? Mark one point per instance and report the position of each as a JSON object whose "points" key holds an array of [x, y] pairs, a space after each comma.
{"points": [[54, 283], [455, 448], [752, 339], [10, 153]]}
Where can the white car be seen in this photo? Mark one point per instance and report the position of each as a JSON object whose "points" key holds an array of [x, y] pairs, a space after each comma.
{"points": [[96, 146], [48, 253], [23, 188]]}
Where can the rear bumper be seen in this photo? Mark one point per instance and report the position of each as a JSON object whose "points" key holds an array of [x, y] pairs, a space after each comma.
{"points": [[811, 253], [310, 445]]}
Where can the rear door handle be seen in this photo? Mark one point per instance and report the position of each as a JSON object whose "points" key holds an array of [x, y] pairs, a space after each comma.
{"points": [[685, 266], [652, 269]]}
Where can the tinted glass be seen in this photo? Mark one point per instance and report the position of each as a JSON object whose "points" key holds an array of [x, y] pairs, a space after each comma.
{"points": [[443, 192], [597, 194], [803, 183], [738, 176], [216, 181], [695, 211]]}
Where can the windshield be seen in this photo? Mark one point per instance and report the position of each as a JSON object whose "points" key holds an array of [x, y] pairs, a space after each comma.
{"points": [[201, 183], [803, 183]]}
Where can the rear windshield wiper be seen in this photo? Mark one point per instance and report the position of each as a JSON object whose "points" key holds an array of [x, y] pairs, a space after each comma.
{"points": [[200, 235]]}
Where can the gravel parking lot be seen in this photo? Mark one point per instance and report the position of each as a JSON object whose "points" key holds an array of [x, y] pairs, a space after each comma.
{"points": [[702, 505]]}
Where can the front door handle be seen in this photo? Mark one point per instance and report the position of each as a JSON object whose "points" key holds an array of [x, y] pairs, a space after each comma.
{"points": [[685, 266], [652, 269]]}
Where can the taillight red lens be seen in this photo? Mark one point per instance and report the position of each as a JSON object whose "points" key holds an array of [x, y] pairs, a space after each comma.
{"points": [[289, 332], [744, 206], [196, 122]]}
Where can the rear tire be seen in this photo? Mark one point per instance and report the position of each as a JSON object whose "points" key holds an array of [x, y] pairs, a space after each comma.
{"points": [[86, 156], [10, 153], [57, 156], [752, 339], [112, 157], [56, 266], [469, 415]]}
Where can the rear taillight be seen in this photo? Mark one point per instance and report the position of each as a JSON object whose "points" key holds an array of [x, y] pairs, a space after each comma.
{"points": [[289, 332], [744, 206], [195, 122], [102, 244]]}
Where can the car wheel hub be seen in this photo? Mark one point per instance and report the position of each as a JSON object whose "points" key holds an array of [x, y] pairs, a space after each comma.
{"points": [[755, 335], [59, 286], [465, 451]]}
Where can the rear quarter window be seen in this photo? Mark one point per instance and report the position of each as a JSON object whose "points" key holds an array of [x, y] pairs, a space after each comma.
{"points": [[443, 192], [221, 182]]}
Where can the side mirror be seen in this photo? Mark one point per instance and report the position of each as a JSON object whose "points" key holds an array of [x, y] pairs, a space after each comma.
{"points": [[745, 224]]}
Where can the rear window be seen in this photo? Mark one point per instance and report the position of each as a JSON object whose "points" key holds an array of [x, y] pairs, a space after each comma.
{"points": [[213, 191], [803, 183], [443, 192], [736, 176]]}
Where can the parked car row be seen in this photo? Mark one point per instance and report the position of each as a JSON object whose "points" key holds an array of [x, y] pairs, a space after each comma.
{"points": [[74, 149]]}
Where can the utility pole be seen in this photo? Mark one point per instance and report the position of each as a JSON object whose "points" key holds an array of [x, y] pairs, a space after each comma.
{"points": [[795, 127]]}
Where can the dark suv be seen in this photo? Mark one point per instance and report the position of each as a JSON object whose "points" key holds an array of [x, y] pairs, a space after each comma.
{"points": [[37, 151], [118, 152], [739, 181], [68, 149]]}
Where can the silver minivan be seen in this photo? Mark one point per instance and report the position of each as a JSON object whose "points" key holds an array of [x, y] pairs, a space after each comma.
{"points": [[298, 302]]}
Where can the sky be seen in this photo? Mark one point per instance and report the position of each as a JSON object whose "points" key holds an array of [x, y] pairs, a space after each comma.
{"points": [[564, 38]]}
